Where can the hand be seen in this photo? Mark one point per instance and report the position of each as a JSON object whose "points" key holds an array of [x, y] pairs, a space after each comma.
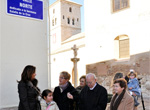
{"points": [[133, 94], [130, 88], [69, 95]]}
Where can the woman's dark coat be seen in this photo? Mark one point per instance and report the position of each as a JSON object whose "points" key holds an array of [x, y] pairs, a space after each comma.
{"points": [[61, 98], [28, 97]]}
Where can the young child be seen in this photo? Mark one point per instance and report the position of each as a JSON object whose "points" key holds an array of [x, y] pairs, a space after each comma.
{"points": [[133, 86], [47, 95]]}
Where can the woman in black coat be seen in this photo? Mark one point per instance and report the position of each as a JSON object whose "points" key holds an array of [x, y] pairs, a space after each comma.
{"points": [[65, 94], [28, 90]]}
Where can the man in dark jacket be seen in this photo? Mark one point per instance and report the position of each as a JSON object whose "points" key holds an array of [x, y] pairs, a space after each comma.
{"points": [[93, 96]]}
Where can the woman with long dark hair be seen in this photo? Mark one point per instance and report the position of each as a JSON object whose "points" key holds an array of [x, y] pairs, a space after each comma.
{"points": [[28, 90]]}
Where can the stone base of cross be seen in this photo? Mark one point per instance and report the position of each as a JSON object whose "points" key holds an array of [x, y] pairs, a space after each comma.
{"points": [[75, 60]]}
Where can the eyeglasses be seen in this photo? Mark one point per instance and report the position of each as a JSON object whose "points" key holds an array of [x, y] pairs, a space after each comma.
{"points": [[62, 78], [89, 82]]}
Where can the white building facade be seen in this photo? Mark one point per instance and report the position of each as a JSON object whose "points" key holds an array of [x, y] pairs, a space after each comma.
{"points": [[117, 39], [103, 26], [23, 41]]}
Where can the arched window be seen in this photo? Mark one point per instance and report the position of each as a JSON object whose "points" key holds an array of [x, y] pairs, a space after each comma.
{"points": [[122, 48], [70, 9], [68, 20], [72, 21]]}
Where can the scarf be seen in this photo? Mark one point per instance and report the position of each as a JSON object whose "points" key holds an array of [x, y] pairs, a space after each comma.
{"points": [[48, 103], [63, 87], [115, 102]]}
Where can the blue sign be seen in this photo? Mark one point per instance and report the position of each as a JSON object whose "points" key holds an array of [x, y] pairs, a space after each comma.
{"points": [[26, 8]]}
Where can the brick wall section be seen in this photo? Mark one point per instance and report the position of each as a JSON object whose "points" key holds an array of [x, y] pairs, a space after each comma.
{"points": [[106, 70]]}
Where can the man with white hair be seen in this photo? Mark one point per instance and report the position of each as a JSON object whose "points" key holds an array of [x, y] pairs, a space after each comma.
{"points": [[93, 96]]}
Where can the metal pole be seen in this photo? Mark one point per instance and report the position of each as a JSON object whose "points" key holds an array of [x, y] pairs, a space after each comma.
{"points": [[141, 95], [142, 101]]}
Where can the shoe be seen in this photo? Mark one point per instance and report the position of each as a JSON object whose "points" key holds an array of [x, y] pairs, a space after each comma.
{"points": [[136, 104]]}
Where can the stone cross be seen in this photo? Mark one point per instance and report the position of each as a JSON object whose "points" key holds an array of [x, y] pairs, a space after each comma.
{"points": [[74, 48], [75, 60]]}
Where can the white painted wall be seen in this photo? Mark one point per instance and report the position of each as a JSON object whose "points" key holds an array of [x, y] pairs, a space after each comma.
{"points": [[102, 26], [0, 51], [23, 41], [56, 29]]}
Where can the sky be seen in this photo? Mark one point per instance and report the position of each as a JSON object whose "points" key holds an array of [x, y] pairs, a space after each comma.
{"points": [[82, 11]]}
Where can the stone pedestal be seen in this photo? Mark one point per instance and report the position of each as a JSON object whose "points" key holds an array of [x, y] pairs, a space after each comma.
{"points": [[75, 80]]}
